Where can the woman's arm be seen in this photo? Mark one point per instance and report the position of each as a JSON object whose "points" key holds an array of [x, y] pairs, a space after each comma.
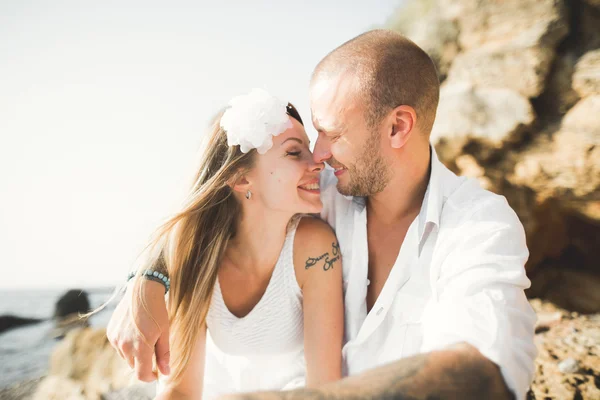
{"points": [[318, 265], [139, 328], [191, 383]]}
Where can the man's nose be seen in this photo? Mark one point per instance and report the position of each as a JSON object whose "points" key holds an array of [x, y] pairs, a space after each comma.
{"points": [[322, 150]]}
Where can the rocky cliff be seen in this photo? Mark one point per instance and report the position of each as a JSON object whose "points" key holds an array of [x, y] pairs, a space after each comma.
{"points": [[520, 111]]}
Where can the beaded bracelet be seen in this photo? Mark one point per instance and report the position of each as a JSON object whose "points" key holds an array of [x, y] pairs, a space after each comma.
{"points": [[154, 276]]}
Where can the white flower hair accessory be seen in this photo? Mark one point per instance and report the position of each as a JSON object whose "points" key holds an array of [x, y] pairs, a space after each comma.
{"points": [[253, 119]]}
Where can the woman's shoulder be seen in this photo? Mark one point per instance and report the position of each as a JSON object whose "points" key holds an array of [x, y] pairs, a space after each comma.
{"points": [[315, 248], [311, 230]]}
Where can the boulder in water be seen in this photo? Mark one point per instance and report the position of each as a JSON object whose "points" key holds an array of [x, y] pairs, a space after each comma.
{"points": [[75, 301], [68, 310], [12, 321]]}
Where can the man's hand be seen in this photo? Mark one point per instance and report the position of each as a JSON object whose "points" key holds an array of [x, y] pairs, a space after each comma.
{"points": [[139, 328]]}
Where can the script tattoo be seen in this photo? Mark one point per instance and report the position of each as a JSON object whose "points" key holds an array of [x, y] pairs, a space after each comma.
{"points": [[328, 262], [335, 251], [312, 261]]}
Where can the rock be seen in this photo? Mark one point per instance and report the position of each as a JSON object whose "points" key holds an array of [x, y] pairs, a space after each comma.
{"points": [[85, 363], [585, 117], [20, 390], [72, 302], [425, 24], [488, 116], [68, 312], [586, 35], [593, 3], [565, 165], [542, 219], [568, 366], [559, 96], [439, 39], [586, 78], [515, 22], [468, 166], [58, 388], [509, 44], [573, 337], [67, 324], [546, 320], [12, 321], [570, 288], [142, 391], [521, 68]]}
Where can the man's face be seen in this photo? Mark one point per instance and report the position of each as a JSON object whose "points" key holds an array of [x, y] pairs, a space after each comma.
{"points": [[345, 140]]}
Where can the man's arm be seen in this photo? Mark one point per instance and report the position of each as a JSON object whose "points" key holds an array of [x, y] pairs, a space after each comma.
{"points": [[480, 293], [459, 372]]}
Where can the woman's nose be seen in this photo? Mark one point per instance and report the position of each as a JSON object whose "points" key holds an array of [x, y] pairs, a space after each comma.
{"points": [[316, 167]]}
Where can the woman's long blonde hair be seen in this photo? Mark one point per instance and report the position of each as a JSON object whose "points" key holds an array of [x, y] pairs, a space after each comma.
{"points": [[192, 243]]}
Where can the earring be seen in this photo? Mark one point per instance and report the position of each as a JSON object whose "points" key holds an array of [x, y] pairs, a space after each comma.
{"points": [[248, 194]]}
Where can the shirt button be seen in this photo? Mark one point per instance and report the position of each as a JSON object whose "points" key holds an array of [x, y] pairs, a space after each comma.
{"points": [[368, 282], [379, 311]]}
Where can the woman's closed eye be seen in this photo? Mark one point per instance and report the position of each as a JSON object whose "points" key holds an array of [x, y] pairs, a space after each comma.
{"points": [[294, 153]]}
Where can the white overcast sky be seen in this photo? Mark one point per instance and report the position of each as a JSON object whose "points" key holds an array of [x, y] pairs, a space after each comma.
{"points": [[103, 104]]}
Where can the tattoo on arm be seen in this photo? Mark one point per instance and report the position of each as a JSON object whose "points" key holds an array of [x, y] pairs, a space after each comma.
{"points": [[311, 261], [335, 248], [335, 252], [328, 260]]}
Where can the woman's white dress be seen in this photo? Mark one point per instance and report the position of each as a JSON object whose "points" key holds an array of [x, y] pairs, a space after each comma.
{"points": [[265, 349]]}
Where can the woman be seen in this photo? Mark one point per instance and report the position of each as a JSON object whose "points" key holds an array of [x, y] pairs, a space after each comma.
{"points": [[255, 296]]}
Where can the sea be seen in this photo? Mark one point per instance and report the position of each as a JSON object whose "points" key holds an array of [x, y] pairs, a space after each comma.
{"points": [[25, 351]]}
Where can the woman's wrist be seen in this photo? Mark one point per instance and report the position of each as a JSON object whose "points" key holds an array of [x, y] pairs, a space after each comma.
{"points": [[152, 275]]}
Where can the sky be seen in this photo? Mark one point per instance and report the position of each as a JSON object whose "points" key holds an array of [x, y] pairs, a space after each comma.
{"points": [[102, 109]]}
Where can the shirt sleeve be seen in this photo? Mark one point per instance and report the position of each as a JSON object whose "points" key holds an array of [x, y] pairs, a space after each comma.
{"points": [[480, 294]]}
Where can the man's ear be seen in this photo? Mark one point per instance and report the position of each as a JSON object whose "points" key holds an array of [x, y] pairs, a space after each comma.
{"points": [[403, 122]]}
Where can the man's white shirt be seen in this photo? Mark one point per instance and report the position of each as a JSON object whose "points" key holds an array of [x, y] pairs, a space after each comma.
{"points": [[459, 277]]}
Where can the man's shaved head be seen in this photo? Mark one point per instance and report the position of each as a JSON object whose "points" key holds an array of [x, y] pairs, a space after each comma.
{"points": [[389, 70]]}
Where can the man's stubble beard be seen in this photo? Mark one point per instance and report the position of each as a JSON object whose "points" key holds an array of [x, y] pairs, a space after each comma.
{"points": [[370, 174]]}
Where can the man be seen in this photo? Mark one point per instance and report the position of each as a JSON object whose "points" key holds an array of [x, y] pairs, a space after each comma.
{"points": [[433, 264]]}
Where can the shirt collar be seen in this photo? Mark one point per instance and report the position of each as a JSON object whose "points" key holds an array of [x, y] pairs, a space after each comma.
{"points": [[433, 199]]}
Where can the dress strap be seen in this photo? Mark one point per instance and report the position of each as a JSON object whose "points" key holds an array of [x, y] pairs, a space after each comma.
{"points": [[289, 270]]}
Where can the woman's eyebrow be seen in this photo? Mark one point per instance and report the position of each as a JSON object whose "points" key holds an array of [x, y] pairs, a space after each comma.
{"points": [[293, 138]]}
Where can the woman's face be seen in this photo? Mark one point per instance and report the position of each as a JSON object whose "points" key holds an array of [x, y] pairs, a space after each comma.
{"points": [[286, 178]]}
